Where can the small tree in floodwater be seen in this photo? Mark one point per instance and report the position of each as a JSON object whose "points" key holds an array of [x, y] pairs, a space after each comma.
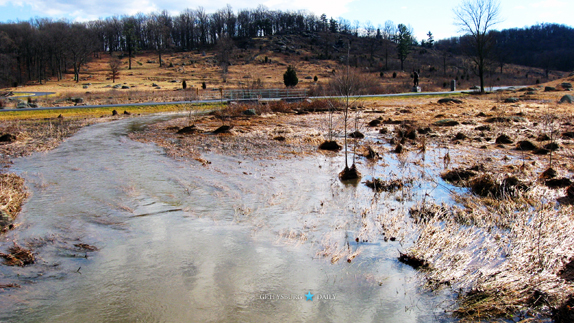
{"points": [[346, 84]]}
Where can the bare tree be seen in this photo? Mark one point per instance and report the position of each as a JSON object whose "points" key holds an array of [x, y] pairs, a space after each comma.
{"points": [[371, 34], [115, 65], [225, 49], [6, 45], [388, 31], [129, 25], [80, 46], [476, 18], [347, 84], [159, 26]]}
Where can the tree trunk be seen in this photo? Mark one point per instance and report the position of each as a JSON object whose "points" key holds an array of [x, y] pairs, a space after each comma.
{"points": [[481, 76], [346, 114], [129, 57]]}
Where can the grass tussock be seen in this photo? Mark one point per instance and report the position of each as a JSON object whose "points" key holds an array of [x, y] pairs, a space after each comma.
{"points": [[391, 185], [11, 285], [18, 256]]}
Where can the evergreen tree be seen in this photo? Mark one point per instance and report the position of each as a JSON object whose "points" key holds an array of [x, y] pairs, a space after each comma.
{"points": [[430, 41], [404, 41], [290, 77], [333, 25]]}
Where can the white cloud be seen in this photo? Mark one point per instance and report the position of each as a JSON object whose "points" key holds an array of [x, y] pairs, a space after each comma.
{"points": [[549, 4], [86, 9]]}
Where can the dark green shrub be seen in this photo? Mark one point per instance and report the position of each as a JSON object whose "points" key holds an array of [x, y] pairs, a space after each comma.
{"points": [[290, 77]]}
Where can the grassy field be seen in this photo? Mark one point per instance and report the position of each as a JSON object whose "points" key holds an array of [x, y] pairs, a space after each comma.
{"points": [[80, 113], [256, 66]]}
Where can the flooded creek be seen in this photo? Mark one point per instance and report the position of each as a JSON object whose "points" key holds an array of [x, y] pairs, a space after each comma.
{"points": [[236, 240]]}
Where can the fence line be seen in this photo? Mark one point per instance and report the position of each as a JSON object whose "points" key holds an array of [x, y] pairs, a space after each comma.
{"points": [[250, 94]]}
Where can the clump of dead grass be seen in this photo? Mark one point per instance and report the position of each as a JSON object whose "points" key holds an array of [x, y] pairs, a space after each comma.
{"points": [[10, 285], [12, 193], [491, 186], [391, 185], [18, 256]]}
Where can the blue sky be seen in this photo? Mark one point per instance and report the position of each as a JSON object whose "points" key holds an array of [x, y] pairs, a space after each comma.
{"points": [[423, 16]]}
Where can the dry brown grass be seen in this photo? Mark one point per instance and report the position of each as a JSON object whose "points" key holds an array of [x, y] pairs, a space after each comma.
{"points": [[248, 71], [37, 135], [504, 257], [505, 252], [12, 194], [270, 135], [18, 256], [150, 83]]}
